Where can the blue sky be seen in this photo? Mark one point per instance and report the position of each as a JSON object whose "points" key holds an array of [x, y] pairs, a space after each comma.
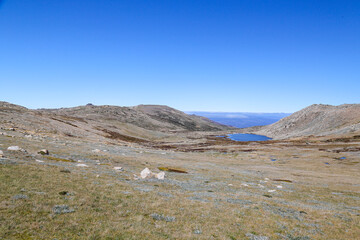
{"points": [[230, 56]]}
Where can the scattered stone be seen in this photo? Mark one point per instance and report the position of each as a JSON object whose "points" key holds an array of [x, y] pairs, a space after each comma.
{"points": [[118, 168], [40, 161], [1, 154], [256, 237], [14, 148], [272, 190], [159, 217], [96, 151], [81, 165], [279, 186], [20, 196], [197, 231], [60, 209], [65, 171], [43, 152]]}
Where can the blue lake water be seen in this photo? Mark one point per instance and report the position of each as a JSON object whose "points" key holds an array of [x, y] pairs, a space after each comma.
{"points": [[244, 137]]}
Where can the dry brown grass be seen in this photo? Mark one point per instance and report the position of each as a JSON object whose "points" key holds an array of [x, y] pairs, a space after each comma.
{"points": [[320, 202]]}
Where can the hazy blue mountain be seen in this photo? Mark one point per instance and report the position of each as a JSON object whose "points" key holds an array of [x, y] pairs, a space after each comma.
{"points": [[242, 119]]}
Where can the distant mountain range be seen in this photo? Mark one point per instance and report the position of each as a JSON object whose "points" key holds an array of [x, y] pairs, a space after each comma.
{"points": [[129, 124], [242, 119]]}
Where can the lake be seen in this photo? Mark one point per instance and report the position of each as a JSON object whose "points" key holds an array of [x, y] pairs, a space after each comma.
{"points": [[244, 137]]}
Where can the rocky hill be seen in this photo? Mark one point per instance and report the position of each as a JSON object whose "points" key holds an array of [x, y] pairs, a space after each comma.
{"points": [[317, 119], [139, 123]]}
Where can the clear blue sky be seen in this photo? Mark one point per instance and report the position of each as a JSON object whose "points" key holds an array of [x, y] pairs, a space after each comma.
{"points": [[235, 56]]}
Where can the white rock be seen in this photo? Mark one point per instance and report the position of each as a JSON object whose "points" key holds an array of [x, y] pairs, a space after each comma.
{"points": [[118, 168], [43, 152], [230, 184], [1, 153], [96, 150], [272, 190], [14, 148], [160, 175], [38, 160], [145, 173], [81, 165], [267, 179], [244, 184], [279, 186], [260, 185]]}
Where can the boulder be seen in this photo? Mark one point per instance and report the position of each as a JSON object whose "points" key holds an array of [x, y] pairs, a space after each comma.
{"points": [[160, 175], [145, 173]]}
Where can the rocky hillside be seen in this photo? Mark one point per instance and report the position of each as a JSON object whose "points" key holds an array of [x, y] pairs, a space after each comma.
{"points": [[318, 120], [134, 124], [150, 117]]}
